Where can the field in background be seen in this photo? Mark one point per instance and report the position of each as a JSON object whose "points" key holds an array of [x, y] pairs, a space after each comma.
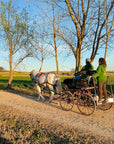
{"points": [[6, 73], [22, 83]]}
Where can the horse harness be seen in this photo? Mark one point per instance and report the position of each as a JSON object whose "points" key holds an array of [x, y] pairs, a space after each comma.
{"points": [[38, 77]]}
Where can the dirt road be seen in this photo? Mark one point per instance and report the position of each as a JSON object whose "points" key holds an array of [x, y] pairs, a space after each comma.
{"points": [[101, 123]]}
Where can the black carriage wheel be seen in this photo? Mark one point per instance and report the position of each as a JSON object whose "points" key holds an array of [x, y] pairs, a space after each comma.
{"points": [[76, 96], [66, 100], [106, 106], [86, 104]]}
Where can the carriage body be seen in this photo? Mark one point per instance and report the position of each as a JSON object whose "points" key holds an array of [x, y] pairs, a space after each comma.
{"points": [[80, 80], [71, 83], [84, 94]]}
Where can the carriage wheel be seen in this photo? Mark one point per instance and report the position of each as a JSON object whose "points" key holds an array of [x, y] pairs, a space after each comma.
{"points": [[66, 100], [86, 104], [76, 96], [106, 106]]}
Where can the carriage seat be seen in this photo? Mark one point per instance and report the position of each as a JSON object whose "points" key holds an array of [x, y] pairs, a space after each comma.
{"points": [[81, 83]]}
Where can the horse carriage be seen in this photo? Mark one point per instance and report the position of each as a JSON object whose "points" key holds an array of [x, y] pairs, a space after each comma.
{"points": [[83, 92]]}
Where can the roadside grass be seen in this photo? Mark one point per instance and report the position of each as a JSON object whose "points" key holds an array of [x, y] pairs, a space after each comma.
{"points": [[16, 129], [19, 131], [20, 84]]}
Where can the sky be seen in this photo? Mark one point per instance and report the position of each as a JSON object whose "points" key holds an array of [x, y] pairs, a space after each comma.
{"points": [[66, 63]]}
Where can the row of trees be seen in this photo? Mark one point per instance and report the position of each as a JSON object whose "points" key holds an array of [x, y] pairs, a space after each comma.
{"points": [[2, 69], [81, 25]]}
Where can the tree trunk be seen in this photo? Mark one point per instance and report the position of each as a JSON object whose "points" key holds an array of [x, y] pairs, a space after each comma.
{"points": [[57, 65], [56, 58], [78, 60], [55, 45], [10, 73], [78, 56], [41, 65], [107, 39], [106, 47], [10, 80]]}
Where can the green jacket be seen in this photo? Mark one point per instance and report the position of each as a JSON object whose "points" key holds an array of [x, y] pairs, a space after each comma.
{"points": [[88, 67], [101, 73]]}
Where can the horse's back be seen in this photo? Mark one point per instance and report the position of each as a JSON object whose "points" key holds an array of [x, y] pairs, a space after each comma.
{"points": [[51, 78]]}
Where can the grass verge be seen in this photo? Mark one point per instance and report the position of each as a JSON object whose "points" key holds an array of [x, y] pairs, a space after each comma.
{"points": [[16, 128]]}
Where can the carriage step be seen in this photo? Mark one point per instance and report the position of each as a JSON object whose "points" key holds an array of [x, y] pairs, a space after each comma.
{"points": [[87, 88]]}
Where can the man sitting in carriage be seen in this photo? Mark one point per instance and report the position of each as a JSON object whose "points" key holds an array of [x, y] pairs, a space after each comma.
{"points": [[80, 77], [86, 70], [88, 67]]}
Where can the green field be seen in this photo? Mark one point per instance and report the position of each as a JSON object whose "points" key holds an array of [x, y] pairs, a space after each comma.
{"points": [[23, 83]]}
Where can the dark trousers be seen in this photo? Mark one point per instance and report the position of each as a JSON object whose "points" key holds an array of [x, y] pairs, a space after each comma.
{"points": [[102, 87]]}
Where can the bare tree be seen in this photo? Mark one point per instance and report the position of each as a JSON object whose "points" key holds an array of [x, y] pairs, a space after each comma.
{"points": [[99, 28], [16, 32], [78, 18], [50, 22], [76, 14], [89, 22], [40, 46], [54, 38], [108, 26]]}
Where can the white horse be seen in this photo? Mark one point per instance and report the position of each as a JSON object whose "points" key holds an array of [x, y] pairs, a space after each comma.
{"points": [[49, 80]]}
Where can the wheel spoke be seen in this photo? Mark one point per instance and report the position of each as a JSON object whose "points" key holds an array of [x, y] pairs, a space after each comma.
{"points": [[86, 104], [66, 100]]}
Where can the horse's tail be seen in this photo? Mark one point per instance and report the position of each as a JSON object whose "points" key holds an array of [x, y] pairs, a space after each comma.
{"points": [[58, 83]]}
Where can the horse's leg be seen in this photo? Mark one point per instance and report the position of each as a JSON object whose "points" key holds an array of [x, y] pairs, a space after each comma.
{"points": [[51, 96], [52, 92], [57, 91], [39, 93], [37, 88]]}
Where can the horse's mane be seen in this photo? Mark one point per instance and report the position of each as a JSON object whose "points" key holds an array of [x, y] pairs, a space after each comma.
{"points": [[34, 72], [52, 73]]}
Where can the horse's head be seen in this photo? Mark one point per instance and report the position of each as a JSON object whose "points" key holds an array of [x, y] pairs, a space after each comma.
{"points": [[33, 75]]}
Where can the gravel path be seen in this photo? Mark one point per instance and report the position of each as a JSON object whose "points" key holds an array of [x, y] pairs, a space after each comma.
{"points": [[100, 123]]}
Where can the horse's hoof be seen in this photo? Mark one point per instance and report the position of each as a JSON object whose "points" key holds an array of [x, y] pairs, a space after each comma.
{"points": [[58, 103], [50, 101], [43, 99], [37, 99]]}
